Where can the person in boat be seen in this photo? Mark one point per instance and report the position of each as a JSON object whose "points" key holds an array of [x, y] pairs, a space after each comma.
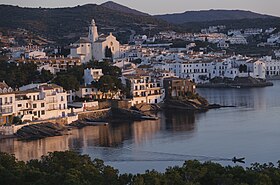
{"points": [[240, 160]]}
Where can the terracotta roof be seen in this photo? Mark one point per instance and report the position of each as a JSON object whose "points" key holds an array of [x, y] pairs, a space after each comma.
{"points": [[82, 40], [3, 85]]}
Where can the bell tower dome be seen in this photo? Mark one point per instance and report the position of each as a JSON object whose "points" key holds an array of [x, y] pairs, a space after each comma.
{"points": [[93, 34]]}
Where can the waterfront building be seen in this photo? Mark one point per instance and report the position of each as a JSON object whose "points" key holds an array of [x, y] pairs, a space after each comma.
{"points": [[7, 106], [144, 89], [40, 102], [272, 66], [178, 87]]}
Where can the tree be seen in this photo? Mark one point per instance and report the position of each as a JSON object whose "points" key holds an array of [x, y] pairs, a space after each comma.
{"points": [[108, 84], [68, 82], [65, 168], [106, 67], [45, 75], [108, 52], [243, 68]]}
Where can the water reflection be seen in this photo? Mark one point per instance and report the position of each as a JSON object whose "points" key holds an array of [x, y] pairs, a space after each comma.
{"points": [[114, 135], [180, 120], [251, 98], [251, 129]]}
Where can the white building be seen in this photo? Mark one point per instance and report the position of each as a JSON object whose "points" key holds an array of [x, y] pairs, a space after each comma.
{"points": [[275, 38], [82, 49], [252, 31], [95, 46], [257, 69], [272, 66], [277, 53], [35, 55], [234, 32], [7, 103], [91, 75], [237, 39], [40, 102], [145, 89], [104, 43], [223, 45]]}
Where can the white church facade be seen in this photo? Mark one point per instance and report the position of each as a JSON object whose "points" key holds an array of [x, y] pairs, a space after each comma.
{"points": [[95, 46]]}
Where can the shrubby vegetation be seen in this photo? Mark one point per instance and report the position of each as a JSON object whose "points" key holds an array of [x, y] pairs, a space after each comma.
{"points": [[57, 23], [19, 74], [63, 168], [73, 77]]}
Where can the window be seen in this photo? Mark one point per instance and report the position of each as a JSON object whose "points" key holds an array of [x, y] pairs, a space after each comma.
{"points": [[34, 105], [42, 104], [43, 112], [26, 105], [38, 97], [19, 105], [62, 98], [35, 113], [11, 99]]}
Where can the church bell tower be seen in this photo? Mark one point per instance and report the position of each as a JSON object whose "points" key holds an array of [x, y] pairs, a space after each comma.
{"points": [[93, 34]]}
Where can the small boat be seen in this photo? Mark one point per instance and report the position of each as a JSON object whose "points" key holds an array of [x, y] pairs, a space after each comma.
{"points": [[94, 123], [238, 160], [149, 117]]}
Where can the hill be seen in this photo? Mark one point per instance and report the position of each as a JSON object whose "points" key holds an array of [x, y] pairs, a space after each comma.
{"points": [[210, 15], [67, 24], [117, 7]]}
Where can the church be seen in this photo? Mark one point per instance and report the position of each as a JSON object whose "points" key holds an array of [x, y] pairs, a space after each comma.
{"points": [[95, 46]]}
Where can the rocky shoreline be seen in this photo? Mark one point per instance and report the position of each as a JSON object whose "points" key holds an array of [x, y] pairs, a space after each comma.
{"points": [[48, 129], [40, 131], [193, 102], [238, 82]]}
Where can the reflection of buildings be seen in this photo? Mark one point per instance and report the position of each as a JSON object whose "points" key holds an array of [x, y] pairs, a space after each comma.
{"points": [[145, 130], [179, 120], [102, 136], [33, 149]]}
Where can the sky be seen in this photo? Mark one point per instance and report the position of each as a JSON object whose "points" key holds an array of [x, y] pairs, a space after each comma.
{"points": [[153, 7]]}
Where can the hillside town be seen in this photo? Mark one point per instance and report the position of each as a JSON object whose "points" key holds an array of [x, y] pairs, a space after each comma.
{"points": [[143, 72], [139, 92]]}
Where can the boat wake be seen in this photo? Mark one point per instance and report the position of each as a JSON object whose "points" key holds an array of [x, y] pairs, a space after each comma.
{"points": [[129, 154]]}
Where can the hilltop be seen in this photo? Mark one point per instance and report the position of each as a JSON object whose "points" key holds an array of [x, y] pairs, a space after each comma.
{"points": [[67, 24], [117, 7], [210, 15]]}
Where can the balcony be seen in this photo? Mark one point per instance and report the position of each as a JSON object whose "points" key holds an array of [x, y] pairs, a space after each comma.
{"points": [[5, 104], [6, 111], [52, 101], [155, 94]]}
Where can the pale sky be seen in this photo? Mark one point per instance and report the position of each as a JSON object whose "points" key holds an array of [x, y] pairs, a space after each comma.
{"points": [[270, 7]]}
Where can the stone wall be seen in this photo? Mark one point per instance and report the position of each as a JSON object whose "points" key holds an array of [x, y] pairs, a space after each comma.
{"points": [[122, 104], [98, 114]]}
